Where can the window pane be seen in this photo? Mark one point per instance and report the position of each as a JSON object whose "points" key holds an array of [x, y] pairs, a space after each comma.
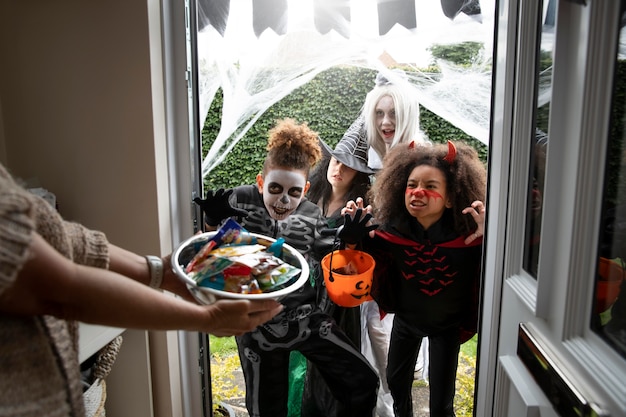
{"points": [[609, 304], [539, 139]]}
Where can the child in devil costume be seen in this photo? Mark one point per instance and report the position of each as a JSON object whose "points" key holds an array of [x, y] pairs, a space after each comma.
{"points": [[428, 201], [275, 206]]}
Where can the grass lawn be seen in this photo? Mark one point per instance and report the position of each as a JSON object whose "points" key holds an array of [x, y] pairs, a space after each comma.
{"points": [[222, 346], [469, 347], [224, 351], [227, 345]]}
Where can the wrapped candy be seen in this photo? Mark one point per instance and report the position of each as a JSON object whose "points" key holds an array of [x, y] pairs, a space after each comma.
{"points": [[234, 261], [231, 232]]}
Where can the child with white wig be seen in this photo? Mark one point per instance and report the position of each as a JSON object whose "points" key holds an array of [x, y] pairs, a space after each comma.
{"points": [[390, 115]]}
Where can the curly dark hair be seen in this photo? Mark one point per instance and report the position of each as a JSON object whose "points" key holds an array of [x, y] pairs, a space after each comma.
{"points": [[293, 146], [322, 190], [466, 179]]}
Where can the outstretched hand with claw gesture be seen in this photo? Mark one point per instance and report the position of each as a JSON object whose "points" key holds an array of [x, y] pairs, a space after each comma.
{"points": [[358, 222], [477, 211], [216, 207]]}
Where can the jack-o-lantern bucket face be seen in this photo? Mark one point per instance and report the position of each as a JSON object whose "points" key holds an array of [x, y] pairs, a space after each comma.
{"points": [[348, 276]]}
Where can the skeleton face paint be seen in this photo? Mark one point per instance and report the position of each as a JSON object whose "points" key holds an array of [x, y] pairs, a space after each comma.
{"points": [[282, 191]]}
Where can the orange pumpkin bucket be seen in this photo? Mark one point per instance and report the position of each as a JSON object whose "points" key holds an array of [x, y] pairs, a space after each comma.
{"points": [[348, 276], [611, 275]]}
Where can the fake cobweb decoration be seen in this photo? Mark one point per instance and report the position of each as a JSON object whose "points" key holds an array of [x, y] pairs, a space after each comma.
{"points": [[256, 72]]}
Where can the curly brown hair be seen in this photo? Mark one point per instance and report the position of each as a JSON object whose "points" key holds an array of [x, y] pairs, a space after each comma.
{"points": [[293, 146], [466, 179]]}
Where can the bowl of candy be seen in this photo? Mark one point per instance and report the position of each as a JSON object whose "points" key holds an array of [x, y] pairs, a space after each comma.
{"points": [[234, 263]]}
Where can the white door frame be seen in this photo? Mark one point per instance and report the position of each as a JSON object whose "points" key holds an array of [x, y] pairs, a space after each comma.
{"points": [[557, 305], [561, 303]]}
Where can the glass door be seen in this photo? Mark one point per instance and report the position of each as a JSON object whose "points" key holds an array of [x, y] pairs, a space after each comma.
{"points": [[246, 60], [554, 244]]}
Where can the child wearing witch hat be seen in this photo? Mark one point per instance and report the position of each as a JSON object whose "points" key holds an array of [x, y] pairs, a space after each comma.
{"points": [[342, 175]]}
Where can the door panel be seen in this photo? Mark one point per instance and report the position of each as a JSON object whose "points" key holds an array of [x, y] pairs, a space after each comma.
{"points": [[545, 211], [521, 397]]}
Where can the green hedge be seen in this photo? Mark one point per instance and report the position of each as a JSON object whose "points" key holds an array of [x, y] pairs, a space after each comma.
{"points": [[329, 103]]}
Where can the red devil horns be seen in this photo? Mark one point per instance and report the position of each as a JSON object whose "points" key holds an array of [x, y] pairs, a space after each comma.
{"points": [[412, 144], [451, 156]]}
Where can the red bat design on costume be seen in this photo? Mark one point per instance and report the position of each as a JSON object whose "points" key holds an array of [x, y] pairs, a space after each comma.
{"points": [[430, 293], [427, 281], [441, 268], [424, 271], [432, 252], [445, 283], [408, 276], [424, 261]]}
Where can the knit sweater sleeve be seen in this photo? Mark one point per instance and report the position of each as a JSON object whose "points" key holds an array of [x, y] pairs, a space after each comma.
{"points": [[89, 247], [16, 227]]}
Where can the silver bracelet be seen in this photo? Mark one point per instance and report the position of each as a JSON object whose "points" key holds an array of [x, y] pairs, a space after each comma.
{"points": [[155, 264]]}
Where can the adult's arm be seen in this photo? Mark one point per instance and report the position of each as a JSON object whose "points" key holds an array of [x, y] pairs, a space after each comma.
{"points": [[50, 284], [135, 266]]}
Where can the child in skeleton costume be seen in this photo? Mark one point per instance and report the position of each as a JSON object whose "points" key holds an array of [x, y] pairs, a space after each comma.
{"points": [[276, 207], [428, 254]]}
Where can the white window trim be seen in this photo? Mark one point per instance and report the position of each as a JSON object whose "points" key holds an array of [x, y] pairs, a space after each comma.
{"points": [[183, 166]]}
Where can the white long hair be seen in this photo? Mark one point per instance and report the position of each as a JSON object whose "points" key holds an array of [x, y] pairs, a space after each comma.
{"points": [[407, 111]]}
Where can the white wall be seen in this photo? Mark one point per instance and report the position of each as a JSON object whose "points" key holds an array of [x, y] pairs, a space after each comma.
{"points": [[75, 87], [81, 114]]}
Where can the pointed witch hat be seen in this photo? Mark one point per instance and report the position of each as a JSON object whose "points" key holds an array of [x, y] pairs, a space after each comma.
{"points": [[352, 148]]}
